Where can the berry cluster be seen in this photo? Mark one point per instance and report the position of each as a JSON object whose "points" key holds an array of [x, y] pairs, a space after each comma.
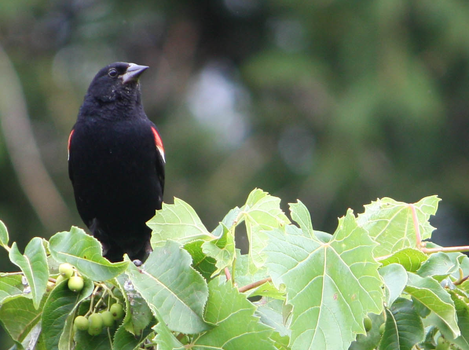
{"points": [[95, 322], [101, 313]]}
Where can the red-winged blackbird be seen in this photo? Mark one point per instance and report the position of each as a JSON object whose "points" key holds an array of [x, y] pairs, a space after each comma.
{"points": [[116, 163]]}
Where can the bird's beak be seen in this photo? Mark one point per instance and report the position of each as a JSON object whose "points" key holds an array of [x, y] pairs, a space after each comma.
{"points": [[133, 72]]}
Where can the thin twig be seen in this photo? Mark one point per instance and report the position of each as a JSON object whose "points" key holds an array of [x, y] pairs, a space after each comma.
{"points": [[458, 249], [227, 274], [254, 285], [460, 281], [416, 226]]}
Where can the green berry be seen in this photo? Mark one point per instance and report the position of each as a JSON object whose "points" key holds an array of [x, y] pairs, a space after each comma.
{"points": [[367, 323], [108, 318], [81, 323], [95, 324], [381, 328], [59, 279], [442, 346], [66, 270], [76, 283], [117, 311]]}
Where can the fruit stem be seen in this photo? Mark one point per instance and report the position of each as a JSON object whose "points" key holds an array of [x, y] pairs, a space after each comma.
{"points": [[90, 311]]}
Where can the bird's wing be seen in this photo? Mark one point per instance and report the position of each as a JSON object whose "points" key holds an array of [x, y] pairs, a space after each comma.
{"points": [[160, 161]]}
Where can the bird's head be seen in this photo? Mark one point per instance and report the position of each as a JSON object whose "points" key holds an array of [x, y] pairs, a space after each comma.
{"points": [[117, 81]]}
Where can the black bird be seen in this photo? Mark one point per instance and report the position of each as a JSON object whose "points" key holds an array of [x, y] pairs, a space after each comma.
{"points": [[116, 163]]}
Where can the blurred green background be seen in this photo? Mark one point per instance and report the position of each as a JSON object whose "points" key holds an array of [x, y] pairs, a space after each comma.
{"points": [[332, 102]]}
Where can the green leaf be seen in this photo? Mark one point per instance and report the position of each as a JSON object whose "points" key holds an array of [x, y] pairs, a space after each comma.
{"points": [[230, 221], [173, 288], [85, 341], [4, 237], [371, 339], [270, 311], [393, 224], [85, 253], [233, 315], [66, 340], [124, 340], [301, 215], [178, 222], [440, 265], [59, 305], [340, 276], [403, 328], [261, 213], [10, 285], [200, 261], [411, 259], [462, 311], [138, 314], [395, 280], [222, 249], [166, 339], [19, 316], [34, 266], [245, 276], [434, 297]]}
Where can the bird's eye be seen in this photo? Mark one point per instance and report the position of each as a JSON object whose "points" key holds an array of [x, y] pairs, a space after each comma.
{"points": [[112, 73]]}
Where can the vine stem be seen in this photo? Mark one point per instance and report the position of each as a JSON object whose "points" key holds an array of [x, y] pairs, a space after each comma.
{"points": [[227, 274], [254, 285], [457, 249], [421, 245], [416, 226]]}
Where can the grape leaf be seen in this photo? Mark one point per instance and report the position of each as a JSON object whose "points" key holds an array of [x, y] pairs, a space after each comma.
{"points": [[270, 312], [34, 266], [411, 259], [301, 215], [262, 212], [200, 261], [331, 286], [434, 297], [222, 249], [178, 222], [4, 237], [236, 327], [393, 224], [172, 287], [403, 327], [85, 253]]}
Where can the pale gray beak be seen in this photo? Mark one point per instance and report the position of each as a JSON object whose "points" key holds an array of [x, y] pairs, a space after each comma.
{"points": [[133, 73]]}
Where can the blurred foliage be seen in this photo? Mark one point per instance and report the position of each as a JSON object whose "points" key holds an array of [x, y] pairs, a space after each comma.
{"points": [[332, 102]]}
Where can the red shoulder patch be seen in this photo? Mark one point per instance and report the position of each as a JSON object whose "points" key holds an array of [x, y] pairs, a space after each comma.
{"points": [[69, 142], [158, 143]]}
